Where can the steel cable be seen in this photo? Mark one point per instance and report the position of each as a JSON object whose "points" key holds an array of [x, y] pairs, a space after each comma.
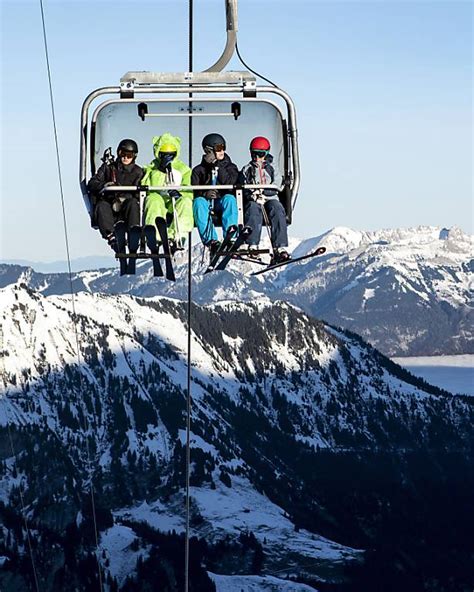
{"points": [[189, 312], [74, 316]]}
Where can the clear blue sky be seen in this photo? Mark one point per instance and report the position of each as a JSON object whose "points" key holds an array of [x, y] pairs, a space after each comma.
{"points": [[383, 92]]}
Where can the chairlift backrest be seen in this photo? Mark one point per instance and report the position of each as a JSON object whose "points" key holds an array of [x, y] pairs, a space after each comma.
{"points": [[147, 104]]}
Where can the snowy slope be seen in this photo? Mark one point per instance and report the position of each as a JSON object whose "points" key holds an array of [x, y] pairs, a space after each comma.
{"points": [[257, 584], [407, 291], [276, 395]]}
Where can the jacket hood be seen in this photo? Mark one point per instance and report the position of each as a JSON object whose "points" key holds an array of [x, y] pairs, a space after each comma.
{"points": [[166, 138]]}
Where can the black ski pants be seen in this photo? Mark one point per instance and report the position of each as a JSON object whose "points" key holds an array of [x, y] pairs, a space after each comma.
{"points": [[253, 217], [106, 217]]}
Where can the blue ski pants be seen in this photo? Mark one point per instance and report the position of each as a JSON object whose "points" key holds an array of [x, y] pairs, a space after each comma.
{"points": [[225, 207], [253, 217]]}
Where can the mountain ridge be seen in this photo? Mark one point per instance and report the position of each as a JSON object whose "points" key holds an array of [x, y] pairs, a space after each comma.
{"points": [[407, 291]]}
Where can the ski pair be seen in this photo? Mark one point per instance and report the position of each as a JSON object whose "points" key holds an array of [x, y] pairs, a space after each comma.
{"points": [[228, 247], [318, 251], [128, 264], [153, 246], [163, 232]]}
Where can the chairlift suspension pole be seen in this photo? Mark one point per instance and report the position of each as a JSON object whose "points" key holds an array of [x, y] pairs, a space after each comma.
{"points": [[231, 20], [189, 311]]}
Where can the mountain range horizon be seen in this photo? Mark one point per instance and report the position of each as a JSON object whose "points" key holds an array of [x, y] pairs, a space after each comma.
{"points": [[93, 262], [406, 291]]}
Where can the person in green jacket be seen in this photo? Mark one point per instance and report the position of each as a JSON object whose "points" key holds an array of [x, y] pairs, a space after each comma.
{"points": [[168, 169]]}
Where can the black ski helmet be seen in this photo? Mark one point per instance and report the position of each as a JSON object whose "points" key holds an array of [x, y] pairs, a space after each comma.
{"points": [[213, 140], [128, 146]]}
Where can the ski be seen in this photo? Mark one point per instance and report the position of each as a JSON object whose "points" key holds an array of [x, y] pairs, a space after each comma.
{"points": [[134, 236], [163, 232], [319, 251], [244, 233], [121, 238], [225, 245], [241, 257], [150, 236], [251, 255]]}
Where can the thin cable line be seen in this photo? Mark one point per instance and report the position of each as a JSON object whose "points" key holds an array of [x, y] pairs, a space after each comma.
{"points": [[188, 398], [250, 69], [23, 508], [267, 225], [188, 414], [22, 502], [63, 208]]}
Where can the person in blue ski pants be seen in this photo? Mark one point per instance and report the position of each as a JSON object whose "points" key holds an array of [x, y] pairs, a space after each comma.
{"points": [[216, 168]]}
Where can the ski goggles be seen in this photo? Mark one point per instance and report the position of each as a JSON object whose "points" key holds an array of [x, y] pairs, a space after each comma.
{"points": [[124, 154], [258, 153]]}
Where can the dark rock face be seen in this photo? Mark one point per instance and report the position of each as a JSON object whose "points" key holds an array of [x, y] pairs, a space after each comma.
{"points": [[393, 319]]}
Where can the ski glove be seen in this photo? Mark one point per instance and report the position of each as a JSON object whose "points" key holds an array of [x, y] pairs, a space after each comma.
{"points": [[174, 193], [212, 194], [210, 157], [258, 196], [107, 185]]}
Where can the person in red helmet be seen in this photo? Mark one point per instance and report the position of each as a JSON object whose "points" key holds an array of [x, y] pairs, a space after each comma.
{"points": [[259, 171]]}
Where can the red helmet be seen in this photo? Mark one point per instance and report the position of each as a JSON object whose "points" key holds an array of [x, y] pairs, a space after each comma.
{"points": [[260, 143]]}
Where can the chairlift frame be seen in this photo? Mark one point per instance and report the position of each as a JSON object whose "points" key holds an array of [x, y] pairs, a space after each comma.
{"points": [[236, 86]]}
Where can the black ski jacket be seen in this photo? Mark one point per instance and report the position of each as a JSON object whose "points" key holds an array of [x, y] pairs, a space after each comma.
{"points": [[116, 173], [227, 173]]}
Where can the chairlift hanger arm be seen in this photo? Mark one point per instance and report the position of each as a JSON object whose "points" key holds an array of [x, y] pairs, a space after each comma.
{"points": [[231, 19], [212, 80]]}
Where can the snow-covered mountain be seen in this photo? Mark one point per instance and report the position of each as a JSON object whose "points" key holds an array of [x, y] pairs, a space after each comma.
{"points": [[308, 448], [407, 291]]}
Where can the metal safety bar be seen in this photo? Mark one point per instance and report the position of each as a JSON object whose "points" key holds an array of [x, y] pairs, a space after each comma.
{"points": [[145, 189], [116, 188], [188, 115]]}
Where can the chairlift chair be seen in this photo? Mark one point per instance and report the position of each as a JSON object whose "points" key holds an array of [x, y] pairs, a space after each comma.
{"points": [[232, 103]]}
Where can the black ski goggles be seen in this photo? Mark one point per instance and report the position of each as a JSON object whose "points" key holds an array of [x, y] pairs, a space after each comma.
{"points": [[125, 154], [258, 153]]}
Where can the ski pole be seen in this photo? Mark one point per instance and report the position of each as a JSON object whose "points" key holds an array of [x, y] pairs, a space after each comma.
{"points": [[170, 181], [267, 221], [176, 224]]}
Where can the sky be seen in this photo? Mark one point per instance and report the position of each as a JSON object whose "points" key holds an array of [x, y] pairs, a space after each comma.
{"points": [[383, 92]]}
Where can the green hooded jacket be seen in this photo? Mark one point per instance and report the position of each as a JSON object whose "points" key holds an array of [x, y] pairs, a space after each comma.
{"points": [[181, 172]]}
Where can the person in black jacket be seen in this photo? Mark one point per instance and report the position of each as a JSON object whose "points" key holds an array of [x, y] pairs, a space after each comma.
{"points": [[109, 207], [216, 168]]}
